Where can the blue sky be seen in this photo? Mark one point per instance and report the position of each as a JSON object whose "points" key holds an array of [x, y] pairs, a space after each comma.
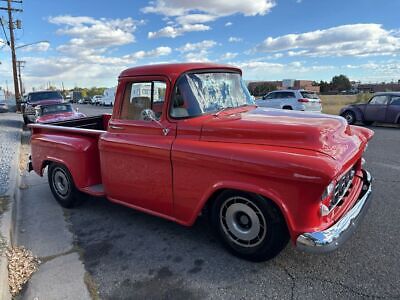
{"points": [[91, 42]]}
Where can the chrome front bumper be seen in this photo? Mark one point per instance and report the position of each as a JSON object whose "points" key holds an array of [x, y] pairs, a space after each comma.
{"points": [[333, 237]]}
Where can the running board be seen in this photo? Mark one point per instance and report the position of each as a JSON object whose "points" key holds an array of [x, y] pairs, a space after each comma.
{"points": [[94, 190]]}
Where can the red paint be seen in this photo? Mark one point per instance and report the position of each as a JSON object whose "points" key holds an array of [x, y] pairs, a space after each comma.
{"points": [[60, 116], [288, 157]]}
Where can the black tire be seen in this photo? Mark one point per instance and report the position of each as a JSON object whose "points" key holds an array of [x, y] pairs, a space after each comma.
{"points": [[287, 107], [368, 123], [349, 116], [26, 120], [258, 222], [63, 187]]}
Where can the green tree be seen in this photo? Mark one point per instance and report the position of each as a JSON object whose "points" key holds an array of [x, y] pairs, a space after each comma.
{"points": [[341, 83]]}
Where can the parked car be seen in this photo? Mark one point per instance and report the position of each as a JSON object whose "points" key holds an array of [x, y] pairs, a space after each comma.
{"points": [[38, 98], [292, 100], [189, 140], [382, 108], [56, 112], [108, 97], [96, 99], [3, 106]]}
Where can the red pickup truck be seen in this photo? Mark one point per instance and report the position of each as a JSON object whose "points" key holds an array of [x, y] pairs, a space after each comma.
{"points": [[187, 139]]}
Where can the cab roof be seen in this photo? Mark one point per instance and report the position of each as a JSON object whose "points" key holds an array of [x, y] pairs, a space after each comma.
{"points": [[173, 71]]}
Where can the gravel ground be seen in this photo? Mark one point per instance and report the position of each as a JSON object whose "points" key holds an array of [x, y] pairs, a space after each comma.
{"points": [[10, 125]]}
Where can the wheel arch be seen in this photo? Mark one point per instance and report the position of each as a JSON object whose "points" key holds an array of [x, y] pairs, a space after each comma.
{"points": [[268, 195]]}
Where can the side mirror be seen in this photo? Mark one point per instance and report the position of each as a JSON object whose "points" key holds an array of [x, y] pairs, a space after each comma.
{"points": [[149, 115], [77, 109]]}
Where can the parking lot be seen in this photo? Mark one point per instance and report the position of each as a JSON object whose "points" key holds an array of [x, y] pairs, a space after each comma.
{"points": [[131, 255]]}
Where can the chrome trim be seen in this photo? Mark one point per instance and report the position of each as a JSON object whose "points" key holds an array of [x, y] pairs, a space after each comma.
{"points": [[332, 238]]}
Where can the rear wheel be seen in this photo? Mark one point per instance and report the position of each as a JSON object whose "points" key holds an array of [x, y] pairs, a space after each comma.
{"points": [[250, 226], [287, 107], [62, 186], [349, 116]]}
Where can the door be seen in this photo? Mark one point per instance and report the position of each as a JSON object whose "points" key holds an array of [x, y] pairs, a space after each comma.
{"points": [[271, 100], [375, 110], [393, 109], [136, 151]]}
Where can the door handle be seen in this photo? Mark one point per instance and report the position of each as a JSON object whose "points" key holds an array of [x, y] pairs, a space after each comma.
{"points": [[116, 127]]}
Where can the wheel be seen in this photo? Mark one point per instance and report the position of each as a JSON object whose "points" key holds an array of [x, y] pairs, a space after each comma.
{"points": [[250, 226], [26, 120], [349, 116], [62, 186], [367, 122], [287, 107]]}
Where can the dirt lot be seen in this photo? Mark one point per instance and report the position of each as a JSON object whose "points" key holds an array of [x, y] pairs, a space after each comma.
{"points": [[331, 104]]}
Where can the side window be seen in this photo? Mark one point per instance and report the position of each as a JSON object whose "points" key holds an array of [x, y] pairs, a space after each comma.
{"points": [[378, 100], [288, 95], [395, 100], [139, 96], [270, 96]]}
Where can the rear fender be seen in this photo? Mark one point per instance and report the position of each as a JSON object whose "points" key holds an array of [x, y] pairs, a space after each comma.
{"points": [[78, 153]]}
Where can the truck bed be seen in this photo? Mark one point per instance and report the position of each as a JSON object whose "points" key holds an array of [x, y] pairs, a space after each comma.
{"points": [[74, 144], [96, 122]]}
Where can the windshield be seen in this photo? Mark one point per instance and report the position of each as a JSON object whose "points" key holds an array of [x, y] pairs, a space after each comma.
{"points": [[309, 95], [201, 93], [45, 96], [57, 108]]}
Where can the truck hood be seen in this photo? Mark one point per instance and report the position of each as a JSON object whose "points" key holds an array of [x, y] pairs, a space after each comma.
{"points": [[59, 117], [283, 128]]}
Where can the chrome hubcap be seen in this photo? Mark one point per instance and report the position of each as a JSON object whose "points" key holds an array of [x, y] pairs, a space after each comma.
{"points": [[60, 183], [243, 222], [349, 118]]}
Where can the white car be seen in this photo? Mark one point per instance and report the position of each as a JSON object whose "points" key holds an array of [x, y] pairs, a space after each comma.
{"points": [[96, 99], [292, 99], [108, 97]]}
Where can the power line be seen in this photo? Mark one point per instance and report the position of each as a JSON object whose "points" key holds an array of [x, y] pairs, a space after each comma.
{"points": [[4, 30]]}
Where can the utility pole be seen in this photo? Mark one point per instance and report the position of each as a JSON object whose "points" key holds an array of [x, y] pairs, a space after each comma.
{"points": [[20, 64], [12, 46]]}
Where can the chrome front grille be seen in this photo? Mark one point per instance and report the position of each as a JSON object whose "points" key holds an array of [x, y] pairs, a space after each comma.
{"points": [[342, 187]]}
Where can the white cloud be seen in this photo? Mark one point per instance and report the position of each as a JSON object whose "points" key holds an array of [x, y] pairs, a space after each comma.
{"points": [[227, 24], [234, 39], [215, 7], [197, 52], [228, 55], [345, 40], [200, 56], [96, 32], [174, 31], [195, 19], [40, 47], [203, 45], [157, 52], [198, 12]]}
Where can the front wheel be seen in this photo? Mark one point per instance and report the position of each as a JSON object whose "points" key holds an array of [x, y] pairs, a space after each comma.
{"points": [[250, 226], [62, 186], [350, 117]]}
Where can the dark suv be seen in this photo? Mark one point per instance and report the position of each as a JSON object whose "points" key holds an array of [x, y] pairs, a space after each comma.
{"points": [[39, 98], [382, 108]]}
